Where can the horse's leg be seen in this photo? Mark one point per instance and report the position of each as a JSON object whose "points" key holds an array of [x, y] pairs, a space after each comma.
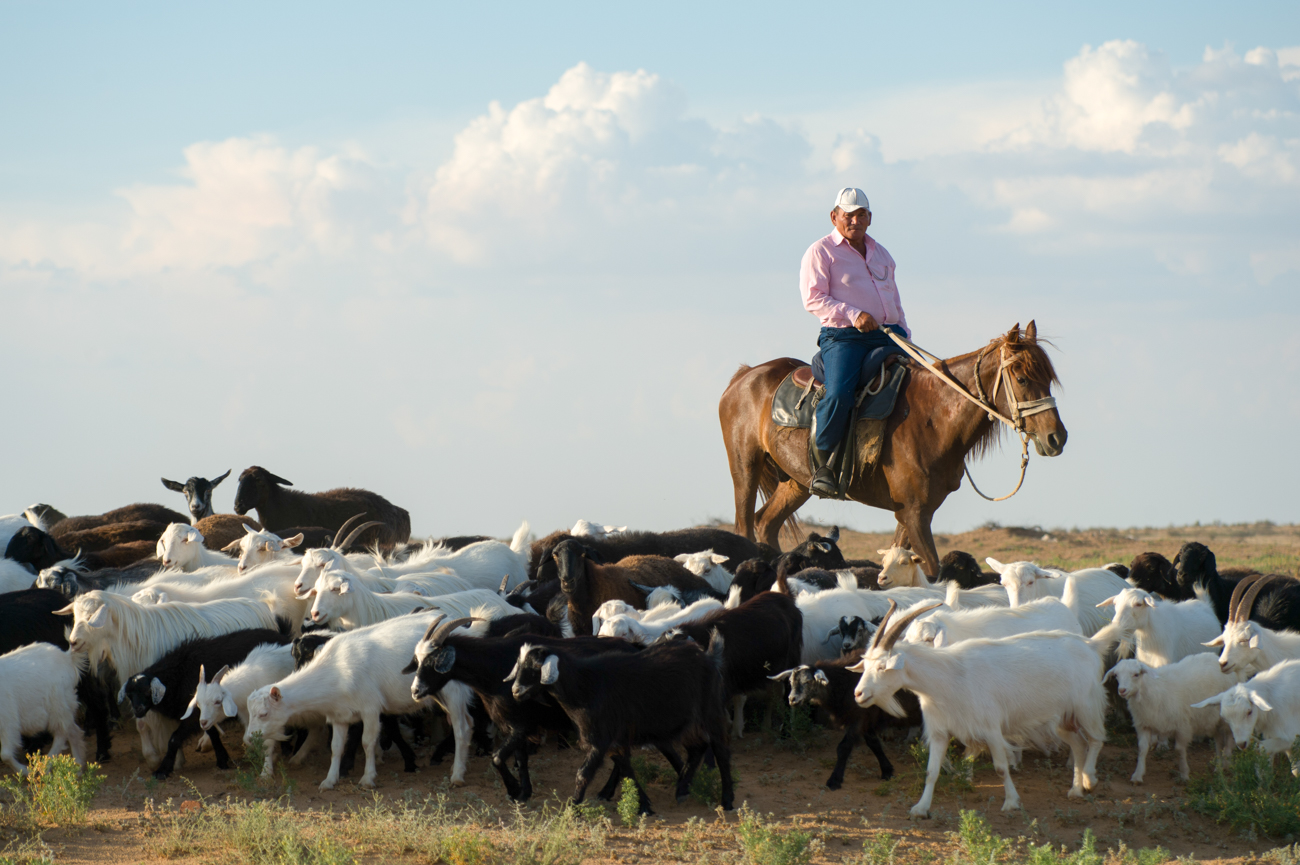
{"points": [[915, 521], [787, 499], [746, 463]]}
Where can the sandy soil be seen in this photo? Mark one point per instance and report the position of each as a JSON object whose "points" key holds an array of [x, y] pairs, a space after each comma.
{"points": [[783, 778]]}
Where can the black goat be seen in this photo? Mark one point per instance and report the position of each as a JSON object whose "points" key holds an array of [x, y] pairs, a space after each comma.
{"points": [[829, 685], [279, 508], [72, 577], [31, 546], [532, 594], [483, 663], [665, 693], [753, 576], [1152, 572], [27, 617], [668, 544], [198, 494], [854, 633], [1276, 607], [961, 566], [168, 685], [1118, 570]]}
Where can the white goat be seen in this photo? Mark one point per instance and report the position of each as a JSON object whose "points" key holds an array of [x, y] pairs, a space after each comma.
{"points": [[822, 611], [1249, 647], [14, 577], [1159, 700], [269, 584], [646, 630], [946, 627], [902, 567], [1037, 688], [226, 695], [259, 548], [1025, 581], [347, 603], [1269, 705], [38, 692], [595, 531], [355, 677], [610, 609], [707, 565], [181, 547], [1164, 631]]}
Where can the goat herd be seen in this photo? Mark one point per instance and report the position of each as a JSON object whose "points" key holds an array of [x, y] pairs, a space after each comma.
{"points": [[323, 616]]}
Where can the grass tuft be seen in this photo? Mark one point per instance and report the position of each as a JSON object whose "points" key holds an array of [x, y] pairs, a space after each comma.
{"points": [[55, 791], [764, 843], [1252, 795]]}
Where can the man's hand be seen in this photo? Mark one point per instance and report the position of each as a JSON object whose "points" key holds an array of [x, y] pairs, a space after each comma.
{"points": [[866, 322]]}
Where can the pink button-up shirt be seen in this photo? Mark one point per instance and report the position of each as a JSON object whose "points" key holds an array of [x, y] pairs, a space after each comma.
{"points": [[837, 283]]}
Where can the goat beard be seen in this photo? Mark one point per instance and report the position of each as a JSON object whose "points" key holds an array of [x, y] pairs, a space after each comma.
{"points": [[893, 707]]}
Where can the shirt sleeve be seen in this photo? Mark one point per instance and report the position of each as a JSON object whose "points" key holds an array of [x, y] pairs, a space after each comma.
{"points": [[815, 288]]}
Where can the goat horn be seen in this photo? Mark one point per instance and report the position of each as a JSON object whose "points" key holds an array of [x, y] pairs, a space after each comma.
{"points": [[897, 627], [352, 536], [343, 528], [446, 628], [1248, 599], [1237, 591], [505, 582], [880, 629]]}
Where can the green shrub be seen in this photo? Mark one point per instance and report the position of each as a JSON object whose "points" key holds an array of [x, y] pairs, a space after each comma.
{"points": [[54, 791], [1253, 794], [629, 803], [766, 844]]}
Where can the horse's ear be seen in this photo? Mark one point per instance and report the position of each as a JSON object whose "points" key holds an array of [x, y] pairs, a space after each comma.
{"points": [[1031, 331], [1013, 335]]}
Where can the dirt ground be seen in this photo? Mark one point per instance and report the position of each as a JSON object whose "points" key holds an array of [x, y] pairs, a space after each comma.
{"points": [[782, 778]]}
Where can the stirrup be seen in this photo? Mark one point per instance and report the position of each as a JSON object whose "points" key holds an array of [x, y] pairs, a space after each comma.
{"points": [[824, 484]]}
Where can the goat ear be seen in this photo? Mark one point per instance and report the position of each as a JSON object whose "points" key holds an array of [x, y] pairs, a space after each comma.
{"points": [[858, 667], [1217, 641], [100, 618], [275, 694], [514, 673], [550, 670], [173, 486], [823, 546], [1209, 701], [834, 534], [345, 586], [782, 676], [232, 549], [1254, 642], [881, 552], [294, 541], [307, 594], [221, 674], [445, 659], [718, 558], [279, 480], [1260, 701], [121, 693], [411, 667], [1109, 602], [202, 679], [213, 483], [997, 566], [821, 677], [249, 529], [895, 662], [194, 704], [228, 706], [65, 611], [1149, 601], [157, 690], [1110, 674], [833, 632], [916, 560]]}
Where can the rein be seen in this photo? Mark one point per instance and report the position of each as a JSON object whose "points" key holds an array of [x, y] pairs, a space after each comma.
{"points": [[1020, 409]]}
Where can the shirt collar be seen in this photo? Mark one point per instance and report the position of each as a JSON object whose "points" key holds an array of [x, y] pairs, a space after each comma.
{"points": [[839, 240]]}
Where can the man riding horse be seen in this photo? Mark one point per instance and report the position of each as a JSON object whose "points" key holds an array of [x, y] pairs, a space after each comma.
{"points": [[847, 281]]}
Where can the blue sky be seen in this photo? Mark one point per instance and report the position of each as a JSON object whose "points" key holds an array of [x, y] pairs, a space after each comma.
{"points": [[472, 258]]}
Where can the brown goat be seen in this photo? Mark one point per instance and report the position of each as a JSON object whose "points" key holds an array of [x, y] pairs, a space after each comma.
{"points": [[141, 512], [101, 538], [279, 508], [219, 530], [586, 584]]}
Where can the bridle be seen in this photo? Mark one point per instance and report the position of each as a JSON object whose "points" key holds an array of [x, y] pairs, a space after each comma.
{"points": [[1020, 409]]}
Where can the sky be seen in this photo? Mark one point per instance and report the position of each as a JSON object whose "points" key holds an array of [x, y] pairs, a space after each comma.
{"points": [[499, 263]]}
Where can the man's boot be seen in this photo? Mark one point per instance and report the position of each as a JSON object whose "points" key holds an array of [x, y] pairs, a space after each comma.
{"points": [[823, 484]]}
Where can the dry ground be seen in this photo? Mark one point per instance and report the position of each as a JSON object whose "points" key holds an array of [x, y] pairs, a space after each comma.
{"points": [[135, 819]]}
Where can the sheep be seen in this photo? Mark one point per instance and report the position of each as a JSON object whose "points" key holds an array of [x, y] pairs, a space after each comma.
{"points": [[763, 634], [1159, 698], [587, 584], [34, 547], [29, 617], [1278, 608], [38, 692], [1025, 581], [226, 694], [829, 685], [1153, 573], [823, 611], [1249, 647], [1267, 705], [356, 677], [181, 547], [667, 692], [167, 687], [259, 547], [1162, 632], [586, 529], [480, 564], [198, 494], [707, 565], [960, 567], [543, 568], [279, 508], [1038, 687], [947, 627], [636, 630]]}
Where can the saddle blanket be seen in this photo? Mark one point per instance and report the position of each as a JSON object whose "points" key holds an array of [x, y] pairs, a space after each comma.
{"points": [[788, 411]]}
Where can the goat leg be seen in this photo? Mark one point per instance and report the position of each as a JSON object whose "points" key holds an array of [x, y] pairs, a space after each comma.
{"points": [[694, 754], [168, 764], [219, 748], [587, 771], [349, 758], [723, 754], [842, 753], [513, 745], [393, 730], [94, 697]]}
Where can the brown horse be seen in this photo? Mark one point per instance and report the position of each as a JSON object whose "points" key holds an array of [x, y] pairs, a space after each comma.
{"points": [[927, 440]]}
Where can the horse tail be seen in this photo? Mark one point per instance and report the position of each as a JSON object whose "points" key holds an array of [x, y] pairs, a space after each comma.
{"points": [[767, 482], [744, 368]]}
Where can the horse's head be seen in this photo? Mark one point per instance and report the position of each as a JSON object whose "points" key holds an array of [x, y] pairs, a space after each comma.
{"points": [[1032, 375]]}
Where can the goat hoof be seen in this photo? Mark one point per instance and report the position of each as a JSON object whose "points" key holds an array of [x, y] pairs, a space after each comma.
{"points": [[160, 775], [1136, 779], [223, 764], [682, 798], [458, 782], [1011, 806], [833, 784], [103, 757], [918, 811]]}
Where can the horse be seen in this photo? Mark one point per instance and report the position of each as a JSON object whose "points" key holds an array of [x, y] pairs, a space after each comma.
{"points": [[928, 438]]}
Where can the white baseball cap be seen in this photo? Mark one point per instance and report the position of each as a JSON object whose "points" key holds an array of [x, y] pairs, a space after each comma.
{"points": [[851, 198]]}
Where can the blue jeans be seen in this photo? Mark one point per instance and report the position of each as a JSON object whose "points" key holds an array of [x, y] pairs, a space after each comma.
{"points": [[847, 356]]}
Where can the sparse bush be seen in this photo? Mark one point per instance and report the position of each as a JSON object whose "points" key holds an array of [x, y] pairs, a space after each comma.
{"points": [[54, 791], [629, 803], [766, 844], [1253, 794]]}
